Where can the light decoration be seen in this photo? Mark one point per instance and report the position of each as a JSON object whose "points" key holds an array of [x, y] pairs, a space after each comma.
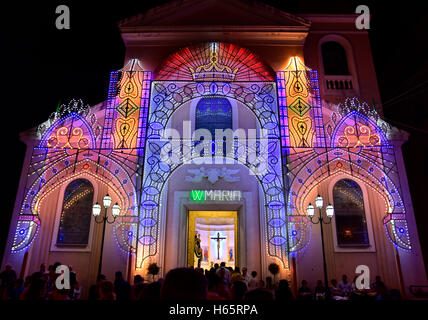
{"points": [[145, 100], [367, 116], [214, 70], [356, 130], [214, 61], [50, 169], [299, 234], [283, 115], [259, 98], [70, 132], [376, 180], [127, 105], [364, 154], [68, 174], [75, 106], [76, 198], [130, 167], [65, 139], [300, 120], [110, 111], [69, 149]]}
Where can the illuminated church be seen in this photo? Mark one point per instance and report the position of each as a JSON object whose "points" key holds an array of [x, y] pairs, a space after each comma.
{"points": [[297, 102]]}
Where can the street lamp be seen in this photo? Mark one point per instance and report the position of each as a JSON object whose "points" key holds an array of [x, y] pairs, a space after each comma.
{"points": [[96, 210], [319, 203]]}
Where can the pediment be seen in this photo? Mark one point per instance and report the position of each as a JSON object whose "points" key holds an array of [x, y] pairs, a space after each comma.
{"points": [[213, 13]]}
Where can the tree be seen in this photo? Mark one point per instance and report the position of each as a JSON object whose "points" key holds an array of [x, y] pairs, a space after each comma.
{"points": [[153, 269]]}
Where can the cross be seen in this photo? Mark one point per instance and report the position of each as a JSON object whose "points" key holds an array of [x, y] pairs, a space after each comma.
{"points": [[218, 239]]}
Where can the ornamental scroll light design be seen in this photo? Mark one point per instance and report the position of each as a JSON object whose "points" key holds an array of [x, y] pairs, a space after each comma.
{"points": [[74, 144], [359, 148]]}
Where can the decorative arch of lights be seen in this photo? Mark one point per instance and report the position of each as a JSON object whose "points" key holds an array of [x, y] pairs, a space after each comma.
{"points": [[213, 70], [70, 146], [167, 98], [357, 146], [214, 61], [104, 142]]}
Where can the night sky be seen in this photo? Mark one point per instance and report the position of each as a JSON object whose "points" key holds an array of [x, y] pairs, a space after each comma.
{"points": [[43, 66]]}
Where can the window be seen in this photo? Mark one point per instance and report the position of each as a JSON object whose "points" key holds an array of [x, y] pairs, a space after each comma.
{"points": [[334, 59], [213, 113], [351, 224], [76, 213]]}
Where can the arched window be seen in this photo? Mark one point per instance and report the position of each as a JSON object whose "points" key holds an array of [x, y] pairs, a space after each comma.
{"points": [[76, 213], [334, 59], [213, 113], [350, 217]]}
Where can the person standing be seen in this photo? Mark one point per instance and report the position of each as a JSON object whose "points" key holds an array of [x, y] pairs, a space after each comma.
{"points": [[122, 288], [345, 286]]}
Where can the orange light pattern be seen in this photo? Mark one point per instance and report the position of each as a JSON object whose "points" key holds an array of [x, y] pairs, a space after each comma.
{"points": [[128, 103], [300, 122], [358, 135], [63, 137]]}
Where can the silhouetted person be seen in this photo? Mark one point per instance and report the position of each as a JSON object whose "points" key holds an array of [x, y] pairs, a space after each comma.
{"points": [[335, 292], [238, 290], [73, 281], [137, 287], [319, 291], [94, 290], [36, 290], [184, 284], [259, 294], [18, 289], [252, 283], [106, 291], [214, 284], [283, 293], [377, 283], [245, 275], [269, 283], [151, 292], [236, 275], [122, 288], [304, 291], [8, 278], [345, 286]]}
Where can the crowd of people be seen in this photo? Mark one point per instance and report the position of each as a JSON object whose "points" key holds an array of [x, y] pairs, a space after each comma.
{"points": [[218, 283]]}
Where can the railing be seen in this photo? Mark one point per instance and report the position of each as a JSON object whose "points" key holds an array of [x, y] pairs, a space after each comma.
{"points": [[339, 83]]}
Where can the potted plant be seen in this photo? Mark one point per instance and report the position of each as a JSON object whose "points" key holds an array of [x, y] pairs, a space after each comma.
{"points": [[274, 269], [153, 269]]}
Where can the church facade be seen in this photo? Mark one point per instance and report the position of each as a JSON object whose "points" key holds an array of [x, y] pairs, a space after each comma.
{"points": [[227, 121]]}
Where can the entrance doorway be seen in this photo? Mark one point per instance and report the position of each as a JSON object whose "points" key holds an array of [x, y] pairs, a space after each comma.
{"points": [[212, 238]]}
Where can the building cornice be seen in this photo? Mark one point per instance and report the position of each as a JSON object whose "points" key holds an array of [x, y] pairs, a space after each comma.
{"points": [[269, 35]]}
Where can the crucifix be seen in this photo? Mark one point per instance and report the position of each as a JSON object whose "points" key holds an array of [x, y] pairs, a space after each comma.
{"points": [[218, 239]]}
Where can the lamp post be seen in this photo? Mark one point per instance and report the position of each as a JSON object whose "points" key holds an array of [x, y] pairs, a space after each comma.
{"points": [[329, 210], [96, 210]]}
